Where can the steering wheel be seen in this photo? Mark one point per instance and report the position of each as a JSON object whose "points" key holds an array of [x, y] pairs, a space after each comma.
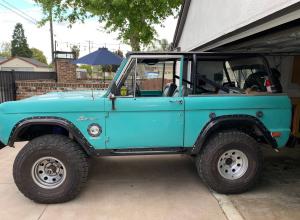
{"points": [[256, 81]]}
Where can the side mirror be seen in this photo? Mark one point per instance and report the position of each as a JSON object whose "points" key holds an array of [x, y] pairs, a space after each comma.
{"points": [[112, 97], [113, 88]]}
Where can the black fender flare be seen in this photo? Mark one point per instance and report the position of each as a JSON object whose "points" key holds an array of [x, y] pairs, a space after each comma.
{"points": [[217, 122], [69, 126]]}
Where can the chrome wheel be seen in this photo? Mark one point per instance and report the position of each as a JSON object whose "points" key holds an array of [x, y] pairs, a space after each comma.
{"points": [[232, 164], [48, 172]]}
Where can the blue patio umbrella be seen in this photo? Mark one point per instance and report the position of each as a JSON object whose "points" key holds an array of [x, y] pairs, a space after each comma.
{"points": [[102, 56]]}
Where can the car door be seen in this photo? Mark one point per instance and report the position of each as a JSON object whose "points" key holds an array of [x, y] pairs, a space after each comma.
{"points": [[145, 122]]}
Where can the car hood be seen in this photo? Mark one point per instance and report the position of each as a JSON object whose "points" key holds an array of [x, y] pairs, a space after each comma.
{"points": [[87, 94], [71, 101]]}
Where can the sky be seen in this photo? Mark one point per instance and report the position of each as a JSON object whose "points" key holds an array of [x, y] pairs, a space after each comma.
{"points": [[89, 33]]}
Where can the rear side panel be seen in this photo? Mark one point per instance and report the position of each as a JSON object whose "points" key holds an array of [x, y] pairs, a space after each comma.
{"points": [[276, 111]]}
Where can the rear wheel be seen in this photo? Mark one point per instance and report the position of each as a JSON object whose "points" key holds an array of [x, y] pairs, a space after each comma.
{"points": [[50, 169], [231, 162]]}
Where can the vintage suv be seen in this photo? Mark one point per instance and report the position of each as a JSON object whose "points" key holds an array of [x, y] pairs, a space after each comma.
{"points": [[219, 108]]}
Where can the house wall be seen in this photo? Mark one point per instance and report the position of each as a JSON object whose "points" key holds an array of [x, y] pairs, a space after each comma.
{"points": [[20, 65], [43, 69], [208, 20]]}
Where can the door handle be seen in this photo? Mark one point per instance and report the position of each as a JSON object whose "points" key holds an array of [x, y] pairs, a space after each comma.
{"points": [[176, 101]]}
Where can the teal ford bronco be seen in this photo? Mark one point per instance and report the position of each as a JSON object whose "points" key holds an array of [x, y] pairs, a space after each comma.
{"points": [[219, 108]]}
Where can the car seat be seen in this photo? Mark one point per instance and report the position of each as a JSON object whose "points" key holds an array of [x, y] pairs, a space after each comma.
{"points": [[185, 91], [169, 89]]}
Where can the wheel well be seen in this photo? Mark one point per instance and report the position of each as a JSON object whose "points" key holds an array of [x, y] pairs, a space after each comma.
{"points": [[30, 132], [30, 128], [244, 126], [249, 129]]}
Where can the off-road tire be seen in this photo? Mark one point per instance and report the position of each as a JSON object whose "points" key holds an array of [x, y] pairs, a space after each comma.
{"points": [[207, 162], [62, 148]]}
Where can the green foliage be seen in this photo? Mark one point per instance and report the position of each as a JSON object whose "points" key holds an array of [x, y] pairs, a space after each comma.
{"points": [[19, 46], [112, 68], [159, 46], [134, 20], [87, 67], [120, 53], [5, 49], [38, 55], [75, 49]]}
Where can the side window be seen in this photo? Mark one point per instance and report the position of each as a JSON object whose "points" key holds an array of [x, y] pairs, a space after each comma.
{"points": [[148, 77], [240, 70], [153, 74], [212, 71]]}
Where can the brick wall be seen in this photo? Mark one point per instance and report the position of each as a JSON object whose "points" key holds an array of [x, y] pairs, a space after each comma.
{"points": [[153, 84], [25, 89], [66, 71]]}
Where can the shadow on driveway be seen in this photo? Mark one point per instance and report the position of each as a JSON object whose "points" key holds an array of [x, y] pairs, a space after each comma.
{"points": [[278, 194]]}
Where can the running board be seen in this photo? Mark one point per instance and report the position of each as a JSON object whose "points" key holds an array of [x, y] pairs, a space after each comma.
{"points": [[141, 151]]}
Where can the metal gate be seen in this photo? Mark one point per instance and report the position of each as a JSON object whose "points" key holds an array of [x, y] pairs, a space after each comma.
{"points": [[7, 87], [8, 78]]}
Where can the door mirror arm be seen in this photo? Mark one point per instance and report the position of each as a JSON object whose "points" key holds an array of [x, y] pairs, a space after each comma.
{"points": [[112, 97]]}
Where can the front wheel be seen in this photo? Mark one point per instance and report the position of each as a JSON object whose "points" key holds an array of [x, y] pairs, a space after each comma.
{"points": [[50, 169], [231, 162]]}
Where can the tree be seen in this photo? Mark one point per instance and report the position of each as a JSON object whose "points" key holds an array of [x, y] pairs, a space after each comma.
{"points": [[120, 53], [88, 68], [5, 49], [38, 55], [113, 68], [75, 49], [159, 45], [134, 20], [19, 46]]}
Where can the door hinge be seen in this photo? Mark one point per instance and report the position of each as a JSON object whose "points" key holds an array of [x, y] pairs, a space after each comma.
{"points": [[107, 115], [106, 139]]}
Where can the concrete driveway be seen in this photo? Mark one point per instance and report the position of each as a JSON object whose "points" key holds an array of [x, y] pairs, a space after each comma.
{"points": [[161, 187], [278, 194], [147, 187]]}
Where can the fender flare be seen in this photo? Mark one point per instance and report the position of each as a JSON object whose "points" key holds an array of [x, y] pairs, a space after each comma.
{"points": [[69, 126], [217, 122]]}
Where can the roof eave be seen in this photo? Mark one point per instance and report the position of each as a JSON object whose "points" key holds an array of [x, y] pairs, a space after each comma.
{"points": [[180, 22], [28, 61]]}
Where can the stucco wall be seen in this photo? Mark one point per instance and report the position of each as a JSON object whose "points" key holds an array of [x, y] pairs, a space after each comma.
{"points": [[21, 65], [207, 20]]}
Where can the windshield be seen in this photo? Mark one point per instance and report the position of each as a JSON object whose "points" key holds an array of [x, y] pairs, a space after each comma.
{"points": [[119, 70]]}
